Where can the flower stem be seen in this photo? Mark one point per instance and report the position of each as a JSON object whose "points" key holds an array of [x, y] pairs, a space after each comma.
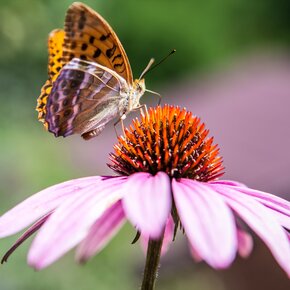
{"points": [[152, 263]]}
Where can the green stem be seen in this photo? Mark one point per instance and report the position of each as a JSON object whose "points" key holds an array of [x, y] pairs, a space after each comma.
{"points": [[152, 264]]}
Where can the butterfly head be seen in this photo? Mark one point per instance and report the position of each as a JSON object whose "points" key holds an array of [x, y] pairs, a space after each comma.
{"points": [[136, 92], [139, 86]]}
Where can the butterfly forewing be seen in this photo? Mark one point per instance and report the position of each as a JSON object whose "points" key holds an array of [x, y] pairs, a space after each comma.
{"points": [[88, 36], [55, 51], [84, 98], [55, 63]]}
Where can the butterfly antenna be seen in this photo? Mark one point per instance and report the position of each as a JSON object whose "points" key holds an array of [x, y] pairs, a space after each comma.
{"points": [[151, 61], [149, 66]]}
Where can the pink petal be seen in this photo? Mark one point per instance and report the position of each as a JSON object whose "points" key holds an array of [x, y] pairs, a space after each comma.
{"points": [[228, 182], [71, 222], [280, 207], [270, 200], [39, 204], [194, 254], [245, 246], [28, 233], [101, 232], [283, 220], [208, 222], [167, 239], [245, 243], [147, 202], [262, 221]]}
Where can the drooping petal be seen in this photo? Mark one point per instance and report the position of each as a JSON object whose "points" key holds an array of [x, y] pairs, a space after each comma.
{"points": [[35, 227], [167, 239], [280, 206], [71, 222], [39, 204], [262, 221], [147, 202], [228, 182], [268, 199], [245, 243], [277, 204], [283, 219], [208, 222], [101, 232]]}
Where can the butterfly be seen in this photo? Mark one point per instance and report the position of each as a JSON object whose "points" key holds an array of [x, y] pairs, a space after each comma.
{"points": [[90, 80]]}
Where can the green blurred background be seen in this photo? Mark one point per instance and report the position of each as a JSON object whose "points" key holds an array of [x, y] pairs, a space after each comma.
{"points": [[207, 36]]}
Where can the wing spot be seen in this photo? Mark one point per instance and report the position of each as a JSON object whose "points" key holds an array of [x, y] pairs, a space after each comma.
{"points": [[65, 102], [66, 92], [40, 106], [111, 51], [83, 57], [74, 84], [80, 75], [82, 20], [67, 113], [84, 46], [55, 108], [63, 84], [118, 64], [104, 37], [92, 39], [117, 56], [97, 53]]}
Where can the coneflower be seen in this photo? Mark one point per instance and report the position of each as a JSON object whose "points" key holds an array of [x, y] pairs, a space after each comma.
{"points": [[168, 169]]}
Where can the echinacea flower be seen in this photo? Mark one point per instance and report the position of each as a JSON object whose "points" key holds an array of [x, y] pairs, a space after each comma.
{"points": [[168, 170]]}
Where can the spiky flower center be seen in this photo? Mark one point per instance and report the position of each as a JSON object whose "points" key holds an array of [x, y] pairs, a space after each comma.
{"points": [[171, 140]]}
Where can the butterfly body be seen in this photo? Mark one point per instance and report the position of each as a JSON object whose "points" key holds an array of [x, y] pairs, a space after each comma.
{"points": [[90, 80]]}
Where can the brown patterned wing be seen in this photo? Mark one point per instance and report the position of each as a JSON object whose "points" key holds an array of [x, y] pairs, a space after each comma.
{"points": [[84, 98], [55, 63], [89, 37]]}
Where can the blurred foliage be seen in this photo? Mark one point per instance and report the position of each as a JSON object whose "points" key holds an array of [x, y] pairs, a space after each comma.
{"points": [[206, 34]]}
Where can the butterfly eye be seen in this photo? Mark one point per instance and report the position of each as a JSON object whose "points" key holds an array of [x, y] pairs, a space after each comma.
{"points": [[139, 88]]}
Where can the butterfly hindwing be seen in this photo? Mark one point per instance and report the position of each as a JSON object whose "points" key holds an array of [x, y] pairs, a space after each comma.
{"points": [[89, 37], [84, 97]]}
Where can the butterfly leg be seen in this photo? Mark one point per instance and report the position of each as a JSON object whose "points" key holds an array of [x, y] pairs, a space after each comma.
{"points": [[141, 107], [145, 108], [157, 94], [121, 119]]}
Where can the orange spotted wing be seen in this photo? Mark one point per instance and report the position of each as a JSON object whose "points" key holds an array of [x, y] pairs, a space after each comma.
{"points": [[55, 63]]}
